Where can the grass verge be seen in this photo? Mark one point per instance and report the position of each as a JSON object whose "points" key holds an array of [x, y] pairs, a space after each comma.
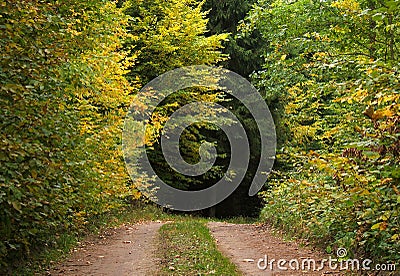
{"points": [[239, 220], [186, 247]]}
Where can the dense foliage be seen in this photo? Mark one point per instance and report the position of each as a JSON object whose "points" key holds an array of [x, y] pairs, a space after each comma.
{"points": [[169, 35], [165, 36], [64, 94], [62, 98], [243, 50], [331, 77]]}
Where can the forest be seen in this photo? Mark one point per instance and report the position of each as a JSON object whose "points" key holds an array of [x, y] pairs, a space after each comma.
{"points": [[328, 70]]}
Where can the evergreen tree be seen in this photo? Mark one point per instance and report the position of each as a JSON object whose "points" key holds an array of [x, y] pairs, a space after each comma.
{"points": [[243, 50]]}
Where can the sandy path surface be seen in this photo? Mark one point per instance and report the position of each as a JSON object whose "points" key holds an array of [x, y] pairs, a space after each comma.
{"points": [[246, 244], [128, 250]]}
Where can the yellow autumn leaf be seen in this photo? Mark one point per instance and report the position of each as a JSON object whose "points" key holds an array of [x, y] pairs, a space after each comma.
{"points": [[381, 226], [382, 113], [375, 226]]}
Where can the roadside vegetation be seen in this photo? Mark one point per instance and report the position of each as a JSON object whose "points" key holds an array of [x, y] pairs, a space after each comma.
{"points": [[331, 78]]}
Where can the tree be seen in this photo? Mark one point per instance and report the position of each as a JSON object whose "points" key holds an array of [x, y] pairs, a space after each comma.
{"points": [[245, 57], [331, 76], [166, 35], [63, 97], [243, 50]]}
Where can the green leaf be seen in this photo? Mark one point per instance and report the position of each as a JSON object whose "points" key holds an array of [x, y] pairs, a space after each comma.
{"points": [[371, 154], [328, 249], [396, 173]]}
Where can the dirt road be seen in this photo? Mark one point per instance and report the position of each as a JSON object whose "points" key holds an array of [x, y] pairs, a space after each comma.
{"points": [[246, 244], [128, 250]]}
